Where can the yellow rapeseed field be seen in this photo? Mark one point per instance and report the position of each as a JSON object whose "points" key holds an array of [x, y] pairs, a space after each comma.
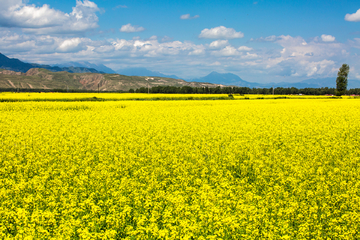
{"points": [[258, 169], [93, 96]]}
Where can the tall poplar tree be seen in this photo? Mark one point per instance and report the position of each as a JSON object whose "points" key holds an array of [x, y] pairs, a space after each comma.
{"points": [[341, 80]]}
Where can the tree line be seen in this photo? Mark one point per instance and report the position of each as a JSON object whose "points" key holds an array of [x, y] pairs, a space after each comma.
{"points": [[243, 90], [206, 90]]}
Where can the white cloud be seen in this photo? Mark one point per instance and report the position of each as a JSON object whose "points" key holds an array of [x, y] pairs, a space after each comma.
{"points": [[317, 68], [327, 38], [219, 44], [44, 20], [355, 17], [71, 45], [227, 51], [129, 28], [245, 48], [297, 47], [37, 45], [121, 44], [220, 33], [104, 49], [154, 48], [197, 52], [250, 56], [23, 16], [300, 58], [187, 16]]}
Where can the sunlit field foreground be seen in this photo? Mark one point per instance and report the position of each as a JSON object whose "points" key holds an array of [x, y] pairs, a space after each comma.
{"points": [[274, 169]]}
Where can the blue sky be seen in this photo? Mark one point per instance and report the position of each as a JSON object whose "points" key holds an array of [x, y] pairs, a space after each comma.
{"points": [[261, 41]]}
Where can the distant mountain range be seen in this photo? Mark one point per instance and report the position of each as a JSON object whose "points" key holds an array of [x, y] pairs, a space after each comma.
{"points": [[16, 65], [143, 72], [226, 79], [85, 64], [234, 80], [317, 83]]}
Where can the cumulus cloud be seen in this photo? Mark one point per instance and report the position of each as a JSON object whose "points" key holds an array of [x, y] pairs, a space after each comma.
{"points": [[249, 56], [37, 48], [44, 20], [34, 44], [154, 48], [219, 44], [301, 58], [298, 47], [316, 68], [220, 33], [355, 17], [244, 48], [71, 45], [187, 16], [327, 38], [128, 28], [197, 52], [226, 51]]}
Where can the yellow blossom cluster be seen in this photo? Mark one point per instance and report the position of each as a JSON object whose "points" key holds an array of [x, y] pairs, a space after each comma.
{"points": [[260, 169]]}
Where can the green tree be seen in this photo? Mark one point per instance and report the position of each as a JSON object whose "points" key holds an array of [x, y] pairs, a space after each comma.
{"points": [[341, 80]]}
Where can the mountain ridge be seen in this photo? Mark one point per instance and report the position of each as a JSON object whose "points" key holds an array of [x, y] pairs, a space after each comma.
{"points": [[85, 64], [14, 64], [141, 71], [231, 79]]}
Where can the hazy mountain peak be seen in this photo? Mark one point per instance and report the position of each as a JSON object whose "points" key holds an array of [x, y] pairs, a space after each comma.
{"points": [[225, 79], [86, 64], [141, 71]]}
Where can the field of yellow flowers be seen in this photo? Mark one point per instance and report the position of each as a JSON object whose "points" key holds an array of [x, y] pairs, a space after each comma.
{"points": [[71, 97], [259, 169]]}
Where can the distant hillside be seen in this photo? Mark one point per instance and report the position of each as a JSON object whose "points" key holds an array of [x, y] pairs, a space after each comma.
{"points": [[44, 79], [16, 65], [85, 64], [143, 72], [226, 79]]}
